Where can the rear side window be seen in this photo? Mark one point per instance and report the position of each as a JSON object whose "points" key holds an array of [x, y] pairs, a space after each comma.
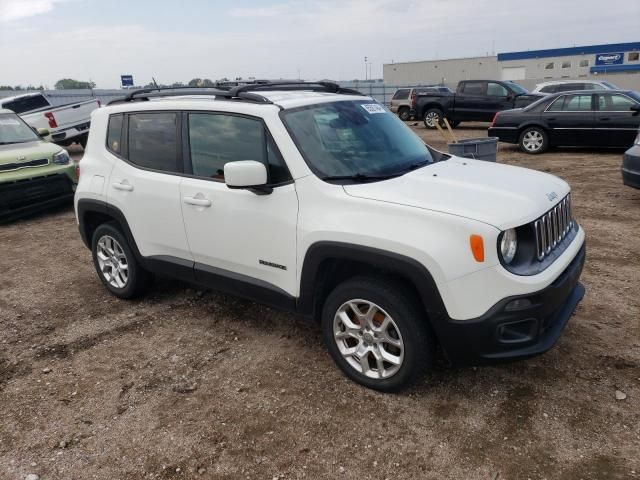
{"points": [[217, 139], [153, 141], [548, 89], [474, 88], [571, 103], [401, 94], [27, 104], [114, 133]]}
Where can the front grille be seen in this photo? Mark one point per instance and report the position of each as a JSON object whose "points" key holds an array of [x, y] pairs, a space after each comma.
{"points": [[552, 227], [16, 166]]}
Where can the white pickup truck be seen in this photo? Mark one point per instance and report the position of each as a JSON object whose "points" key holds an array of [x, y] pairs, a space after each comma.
{"points": [[66, 124]]}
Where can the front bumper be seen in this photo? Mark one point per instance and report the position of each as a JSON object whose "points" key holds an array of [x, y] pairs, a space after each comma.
{"points": [[21, 197], [631, 167], [508, 333]]}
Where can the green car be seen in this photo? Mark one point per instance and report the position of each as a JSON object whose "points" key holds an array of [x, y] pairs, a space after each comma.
{"points": [[34, 174]]}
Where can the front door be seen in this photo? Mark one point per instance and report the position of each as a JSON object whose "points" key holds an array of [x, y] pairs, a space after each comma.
{"points": [[240, 239], [617, 125]]}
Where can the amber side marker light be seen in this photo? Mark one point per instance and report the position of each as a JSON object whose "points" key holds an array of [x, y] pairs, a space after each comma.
{"points": [[477, 247]]}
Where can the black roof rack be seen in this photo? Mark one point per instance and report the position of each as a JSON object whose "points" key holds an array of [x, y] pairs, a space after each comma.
{"points": [[322, 86], [247, 92]]}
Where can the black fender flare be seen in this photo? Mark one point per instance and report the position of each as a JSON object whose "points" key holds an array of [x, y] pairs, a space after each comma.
{"points": [[403, 266], [86, 205]]}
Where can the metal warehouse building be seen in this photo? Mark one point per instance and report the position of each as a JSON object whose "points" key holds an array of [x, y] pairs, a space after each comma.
{"points": [[617, 63]]}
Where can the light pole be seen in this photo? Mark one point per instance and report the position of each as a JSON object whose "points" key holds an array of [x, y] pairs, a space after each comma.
{"points": [[365, 69]]}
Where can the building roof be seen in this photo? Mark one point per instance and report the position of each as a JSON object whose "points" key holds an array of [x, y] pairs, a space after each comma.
{"points": [[564, 52]]}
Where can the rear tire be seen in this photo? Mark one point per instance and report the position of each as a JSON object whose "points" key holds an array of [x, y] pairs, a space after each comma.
{"points": [[116, 264], [431, 117], [377, 333], [534, 140], [403, 113]]}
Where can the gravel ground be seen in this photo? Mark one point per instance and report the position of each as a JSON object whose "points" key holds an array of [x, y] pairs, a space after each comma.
{"points": [[189, 384]]}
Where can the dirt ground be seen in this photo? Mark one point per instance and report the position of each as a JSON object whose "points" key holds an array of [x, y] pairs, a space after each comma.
{"points": [[188, 384]]}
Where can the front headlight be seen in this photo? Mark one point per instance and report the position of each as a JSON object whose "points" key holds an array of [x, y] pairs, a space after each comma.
{"points": [[508, 245], [61, 158]]}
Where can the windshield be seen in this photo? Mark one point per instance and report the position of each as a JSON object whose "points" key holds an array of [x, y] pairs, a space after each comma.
{"points": [[519, 89], [610, 86], [14, 130], [355, 138]]}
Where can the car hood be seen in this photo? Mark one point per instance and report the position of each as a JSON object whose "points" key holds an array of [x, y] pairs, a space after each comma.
{"points": [[24, 152], [500, 195]]}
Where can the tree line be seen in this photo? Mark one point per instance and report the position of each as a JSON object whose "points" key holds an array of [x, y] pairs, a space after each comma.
{"points": [[71, 84]]}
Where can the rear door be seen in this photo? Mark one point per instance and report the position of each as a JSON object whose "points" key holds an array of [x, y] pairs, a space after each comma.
{"points": [[616, 123], [570, 119], [145, 182], [471, 101]]}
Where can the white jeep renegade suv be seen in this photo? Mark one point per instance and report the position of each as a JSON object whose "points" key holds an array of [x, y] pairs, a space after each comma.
{"points": [[320, 201]]}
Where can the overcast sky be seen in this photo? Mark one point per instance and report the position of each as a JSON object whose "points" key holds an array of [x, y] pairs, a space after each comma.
{"points": [[42, 41]]}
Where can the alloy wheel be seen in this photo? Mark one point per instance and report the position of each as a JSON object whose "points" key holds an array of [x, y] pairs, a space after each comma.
{"points": [[431, 119], [368, 339], [533, 141], [112, 261]]}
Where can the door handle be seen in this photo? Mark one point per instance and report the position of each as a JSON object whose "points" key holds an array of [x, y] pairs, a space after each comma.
{"points": [[199, 202], [124, 185], [605, 119], [551, 119]]}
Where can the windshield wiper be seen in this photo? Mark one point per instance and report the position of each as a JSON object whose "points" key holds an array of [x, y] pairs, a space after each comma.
{"points": [[10, 143], [415, 166], [361, 177]]}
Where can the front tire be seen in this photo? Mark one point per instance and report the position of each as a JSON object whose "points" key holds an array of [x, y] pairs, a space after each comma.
{"points": [[534, 140], [116, 264], [432, 117], [377, 333]]}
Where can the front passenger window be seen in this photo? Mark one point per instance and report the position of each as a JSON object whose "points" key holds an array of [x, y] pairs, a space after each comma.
{"points": [[496, 90], [217, 139]]}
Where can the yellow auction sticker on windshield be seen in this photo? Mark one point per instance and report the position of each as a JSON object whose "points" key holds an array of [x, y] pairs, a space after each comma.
{"points": [[373, 108]]}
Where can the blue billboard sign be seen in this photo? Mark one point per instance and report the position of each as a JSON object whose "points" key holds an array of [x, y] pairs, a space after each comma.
{"points": [[610, 58], [126, 80]]}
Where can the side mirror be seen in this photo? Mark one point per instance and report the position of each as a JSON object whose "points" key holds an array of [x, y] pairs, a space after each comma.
{"points": [[42, 132], [635, 109], [247, 174]]}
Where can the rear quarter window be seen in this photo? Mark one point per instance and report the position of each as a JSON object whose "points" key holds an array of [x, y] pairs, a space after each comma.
{"points": [[114, 133], [401, 94]]}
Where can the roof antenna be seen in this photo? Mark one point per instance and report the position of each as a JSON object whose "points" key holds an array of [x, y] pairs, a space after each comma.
{"points": [[155, 83]]}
